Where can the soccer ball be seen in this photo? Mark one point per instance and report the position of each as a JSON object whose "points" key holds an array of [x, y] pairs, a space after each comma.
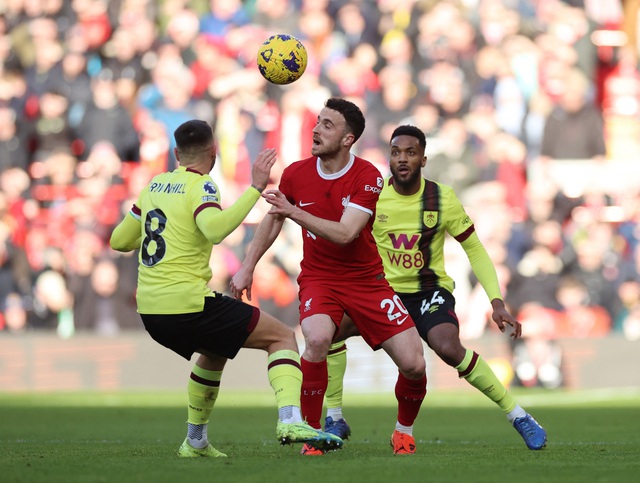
{"points": [[282, 59]]}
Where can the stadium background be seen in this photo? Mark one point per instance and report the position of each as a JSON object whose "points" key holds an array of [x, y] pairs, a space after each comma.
{"points": [[532, 111]]}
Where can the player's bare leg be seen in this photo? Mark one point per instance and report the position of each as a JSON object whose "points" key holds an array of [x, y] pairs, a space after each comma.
{"points": [[271, 335], [406, 351]]}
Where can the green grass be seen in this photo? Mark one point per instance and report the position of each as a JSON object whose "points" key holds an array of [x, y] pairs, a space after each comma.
{"points": [[132, 437]]}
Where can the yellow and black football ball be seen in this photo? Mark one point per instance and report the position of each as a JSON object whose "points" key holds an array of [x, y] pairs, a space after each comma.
{"points": [[282, 59]]}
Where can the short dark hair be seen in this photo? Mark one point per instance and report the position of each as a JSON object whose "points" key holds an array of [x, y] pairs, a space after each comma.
{"points": [[408, 130], [351, 113], [193, 136]]}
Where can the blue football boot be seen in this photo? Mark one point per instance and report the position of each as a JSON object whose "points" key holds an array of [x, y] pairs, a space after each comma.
{"points": [[533, 434], [340, 428]]}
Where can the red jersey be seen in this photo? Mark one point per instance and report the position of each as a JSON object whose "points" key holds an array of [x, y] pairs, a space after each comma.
{"points": [[357, 185]]}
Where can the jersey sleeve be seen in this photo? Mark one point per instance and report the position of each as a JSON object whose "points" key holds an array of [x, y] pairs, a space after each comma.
{"points": [[285, 184], [214, 222], [460, 226], [367, 189], [204, 193], [457, 223], [482, 266], [127, 235]]}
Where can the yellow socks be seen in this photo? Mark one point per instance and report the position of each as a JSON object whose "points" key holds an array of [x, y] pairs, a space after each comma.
{"points": [[285, 377], [336, 367], [203, 388], [478, 373]]}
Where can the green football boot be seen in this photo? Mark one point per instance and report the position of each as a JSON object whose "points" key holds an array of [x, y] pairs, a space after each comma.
{"points": [[288, 433], [188, 451]]}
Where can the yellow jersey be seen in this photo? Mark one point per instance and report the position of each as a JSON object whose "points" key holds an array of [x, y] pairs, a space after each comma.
{"points": [[174, 223], [410, 234]]}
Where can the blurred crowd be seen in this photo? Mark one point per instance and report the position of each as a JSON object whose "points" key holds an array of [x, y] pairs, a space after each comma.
{"points": [[531, 109]]}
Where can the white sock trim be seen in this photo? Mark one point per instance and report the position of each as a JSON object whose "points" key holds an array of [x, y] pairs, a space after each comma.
{"points": [[335, 413], [295, 416], [517, 412], [201, 429], [404, 429]]}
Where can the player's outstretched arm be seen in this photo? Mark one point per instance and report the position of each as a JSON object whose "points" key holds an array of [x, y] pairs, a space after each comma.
{"points": [[485, 272], [127, 235], [341, 232], [216, 224], [265, 235]]}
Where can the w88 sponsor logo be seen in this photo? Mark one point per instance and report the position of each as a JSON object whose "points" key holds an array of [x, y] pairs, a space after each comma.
{"points": [[406, 260], [409, 259]]}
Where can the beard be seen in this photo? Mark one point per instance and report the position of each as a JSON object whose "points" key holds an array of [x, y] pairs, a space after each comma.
{"points": [[406, 180], [326, 150]]}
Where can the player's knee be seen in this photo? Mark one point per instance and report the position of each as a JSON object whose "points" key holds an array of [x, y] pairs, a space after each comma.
{"points": [[317, 343], [420, 368], [415, 368], [286, 333], [451, 352], [289, 336]]}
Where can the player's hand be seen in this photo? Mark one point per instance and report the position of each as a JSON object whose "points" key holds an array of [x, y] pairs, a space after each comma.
{"points": [[279, 203], [241, 281], [262, 168], [501, 316]]}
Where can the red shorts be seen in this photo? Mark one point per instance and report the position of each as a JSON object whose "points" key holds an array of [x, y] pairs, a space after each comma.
{"points": [[374, 307]]}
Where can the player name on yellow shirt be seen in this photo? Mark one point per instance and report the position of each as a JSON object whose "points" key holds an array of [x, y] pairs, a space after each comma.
{"points": [[169, 188]]}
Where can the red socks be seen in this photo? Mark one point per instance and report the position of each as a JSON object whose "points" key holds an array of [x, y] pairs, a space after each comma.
{"points": [[314, 384], [410, 393]]}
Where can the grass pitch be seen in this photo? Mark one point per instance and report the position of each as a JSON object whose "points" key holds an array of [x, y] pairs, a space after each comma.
{"points": [[132, 437]]}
